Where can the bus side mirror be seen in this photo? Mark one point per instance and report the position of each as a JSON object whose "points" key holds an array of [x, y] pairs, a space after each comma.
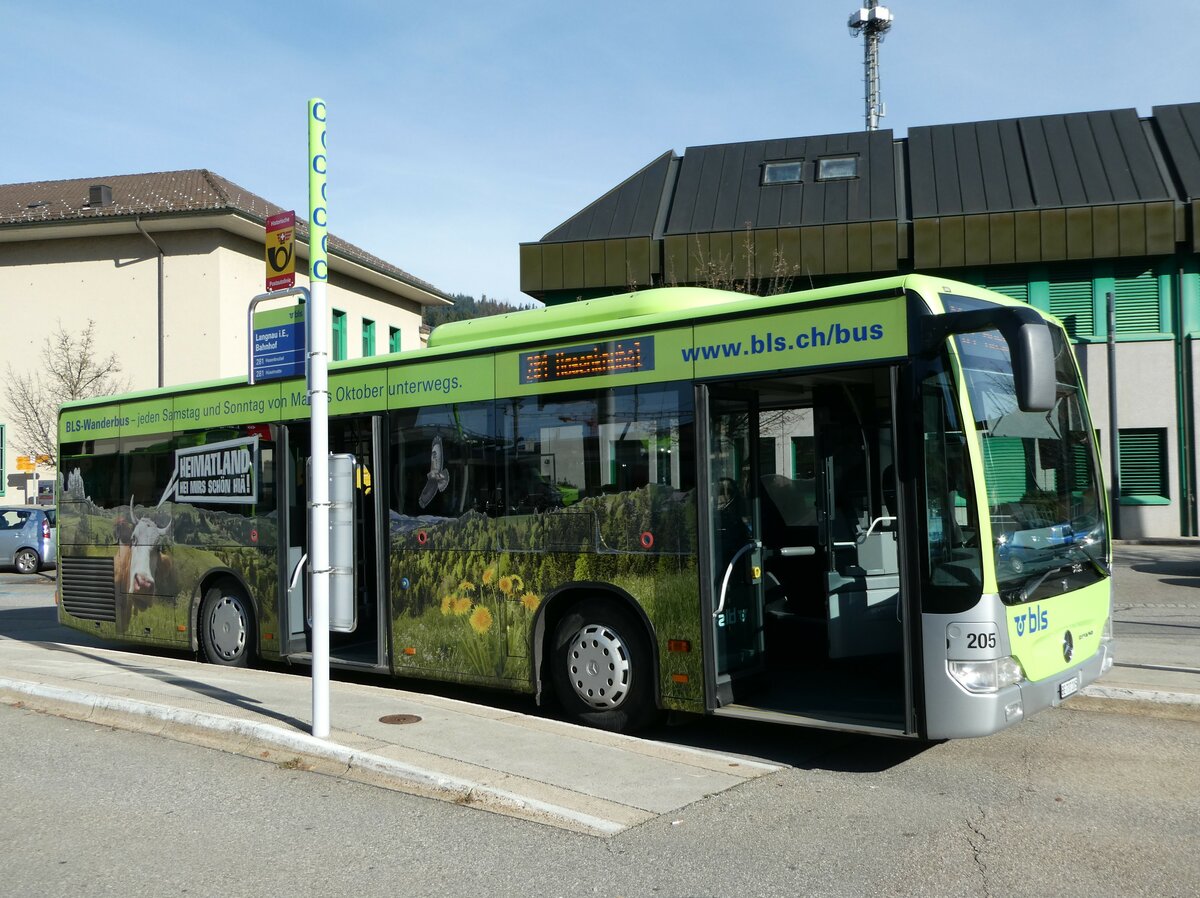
{"points": [[1029, 346], [1032, 352]]}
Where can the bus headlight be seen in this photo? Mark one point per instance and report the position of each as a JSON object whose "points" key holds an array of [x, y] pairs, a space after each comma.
{"points": [[986, 676]]}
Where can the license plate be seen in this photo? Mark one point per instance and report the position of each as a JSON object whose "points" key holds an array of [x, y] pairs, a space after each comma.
{"points": [[1070, 687]]}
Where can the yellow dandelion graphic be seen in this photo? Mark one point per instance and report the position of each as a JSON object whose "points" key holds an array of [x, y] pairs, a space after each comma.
{"points": [[506, 585], [466, 586], [447, 604], [461, 606], [481, 620], [530, 601], [488, 576]]}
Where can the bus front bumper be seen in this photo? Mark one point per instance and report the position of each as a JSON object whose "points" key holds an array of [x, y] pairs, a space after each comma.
{"points": [[982, 714]]}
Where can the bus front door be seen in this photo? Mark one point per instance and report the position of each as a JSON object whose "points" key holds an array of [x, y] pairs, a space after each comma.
{"points": [[734, 545], [804, 550]]}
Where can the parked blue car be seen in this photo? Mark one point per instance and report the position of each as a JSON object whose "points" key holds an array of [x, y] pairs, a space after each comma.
{"points": [[28, 538]]}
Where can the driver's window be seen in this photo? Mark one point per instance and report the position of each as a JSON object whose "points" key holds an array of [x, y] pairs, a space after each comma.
{"points": [[950, 519]]}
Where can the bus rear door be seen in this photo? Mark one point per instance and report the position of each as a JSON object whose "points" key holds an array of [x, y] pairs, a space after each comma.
{"points": [[366, 643]]}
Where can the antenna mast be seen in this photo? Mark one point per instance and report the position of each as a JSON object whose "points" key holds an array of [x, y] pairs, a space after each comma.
{"points": [[872, 22]]}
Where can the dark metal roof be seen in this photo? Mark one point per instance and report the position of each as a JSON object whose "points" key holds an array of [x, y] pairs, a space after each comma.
{"points": [[628, 210], [1040, 162], [162, 194], [1180, 129], [720, 186]]}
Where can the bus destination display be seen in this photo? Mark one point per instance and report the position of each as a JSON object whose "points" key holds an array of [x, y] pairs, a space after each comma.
{"points": [[588, 360]]}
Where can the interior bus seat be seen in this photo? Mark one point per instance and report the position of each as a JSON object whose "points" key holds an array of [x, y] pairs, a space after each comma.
{"points": [[788, 519]]}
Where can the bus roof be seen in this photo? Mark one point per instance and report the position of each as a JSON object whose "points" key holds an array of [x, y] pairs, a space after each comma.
{"points": [[644, 308], [659, 304]]}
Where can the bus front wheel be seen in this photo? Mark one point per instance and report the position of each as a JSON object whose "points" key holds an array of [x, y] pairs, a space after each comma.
{"points": [[226, 627], [602, 671]]}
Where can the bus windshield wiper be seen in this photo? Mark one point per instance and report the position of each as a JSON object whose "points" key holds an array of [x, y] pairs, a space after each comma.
{"points": [[1096, 564], [1029, 587]]}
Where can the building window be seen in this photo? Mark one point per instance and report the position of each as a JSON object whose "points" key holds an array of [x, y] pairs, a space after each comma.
{"points": [[393, 339], [339, 335], [789, 172], [368, 334], [837, 168], [1144, 466]]}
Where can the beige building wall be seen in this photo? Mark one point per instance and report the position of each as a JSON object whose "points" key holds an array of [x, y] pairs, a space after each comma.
{"points": [[209, 277], [1147, 363]]}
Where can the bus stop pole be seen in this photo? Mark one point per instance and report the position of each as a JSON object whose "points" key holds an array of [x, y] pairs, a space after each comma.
{"points": [[318, 405], [1114, 436]]}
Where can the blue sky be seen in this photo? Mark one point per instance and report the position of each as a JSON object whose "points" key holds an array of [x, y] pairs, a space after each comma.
{"points": [[459, 129]]}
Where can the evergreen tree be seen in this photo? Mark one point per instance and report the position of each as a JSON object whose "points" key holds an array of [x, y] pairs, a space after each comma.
{"points": [[466, 307]]}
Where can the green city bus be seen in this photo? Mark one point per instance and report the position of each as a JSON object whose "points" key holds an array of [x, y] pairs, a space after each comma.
{"points": [[872, 508]]}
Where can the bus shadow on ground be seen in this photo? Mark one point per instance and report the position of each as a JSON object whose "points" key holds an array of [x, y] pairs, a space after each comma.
{"points": [[793, 746], [225, 696], [1171, 573], [805, 748], [40, 624]]}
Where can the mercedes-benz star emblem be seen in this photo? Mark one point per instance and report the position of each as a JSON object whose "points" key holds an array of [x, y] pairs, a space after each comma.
{"points": [[1068, 646]]}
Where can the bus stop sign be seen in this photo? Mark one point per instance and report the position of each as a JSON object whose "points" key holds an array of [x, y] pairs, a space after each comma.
{"points": [[281, 251], [279, 343]]}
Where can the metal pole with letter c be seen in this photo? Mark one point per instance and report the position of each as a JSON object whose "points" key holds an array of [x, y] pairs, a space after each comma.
{"points": [[318, 404]]}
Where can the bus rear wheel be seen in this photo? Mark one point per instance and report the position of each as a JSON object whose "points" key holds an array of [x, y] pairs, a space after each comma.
{"points": [[226, 627], [602, 669]]}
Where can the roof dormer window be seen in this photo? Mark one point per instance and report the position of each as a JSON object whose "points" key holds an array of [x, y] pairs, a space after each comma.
{"points": [[790, 171], [837, 168]]}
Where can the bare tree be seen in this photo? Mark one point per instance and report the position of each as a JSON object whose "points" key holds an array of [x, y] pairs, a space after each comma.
{"points": [[70, 369], [742, 274]]}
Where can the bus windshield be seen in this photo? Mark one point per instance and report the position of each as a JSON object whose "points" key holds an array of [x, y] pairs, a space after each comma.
{"points": [[1043, 491]]}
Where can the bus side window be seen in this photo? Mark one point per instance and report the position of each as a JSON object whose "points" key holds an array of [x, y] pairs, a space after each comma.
{"points": [[443, 460]]}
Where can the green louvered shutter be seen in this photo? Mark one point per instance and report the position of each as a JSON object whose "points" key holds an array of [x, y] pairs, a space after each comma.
{"points": [[1004, 462], [1137, 300], [1012, 284], [1081, 468], [1018, 292], [1071, 300], [1144, 462]]}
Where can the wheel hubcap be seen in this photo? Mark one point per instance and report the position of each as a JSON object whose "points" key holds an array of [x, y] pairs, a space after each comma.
{"points": [[598, 667], [227, 628], [26, 563]]}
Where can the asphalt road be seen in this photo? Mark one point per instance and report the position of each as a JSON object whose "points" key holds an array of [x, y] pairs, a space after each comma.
{"points": [[1070, 803], [1157, 603]]}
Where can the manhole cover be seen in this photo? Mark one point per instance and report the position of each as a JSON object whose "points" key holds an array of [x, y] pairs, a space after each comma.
{"points": [[400, 718]]}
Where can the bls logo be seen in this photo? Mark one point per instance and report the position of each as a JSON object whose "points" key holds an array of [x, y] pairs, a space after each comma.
{"points": [[1035, 619]]}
